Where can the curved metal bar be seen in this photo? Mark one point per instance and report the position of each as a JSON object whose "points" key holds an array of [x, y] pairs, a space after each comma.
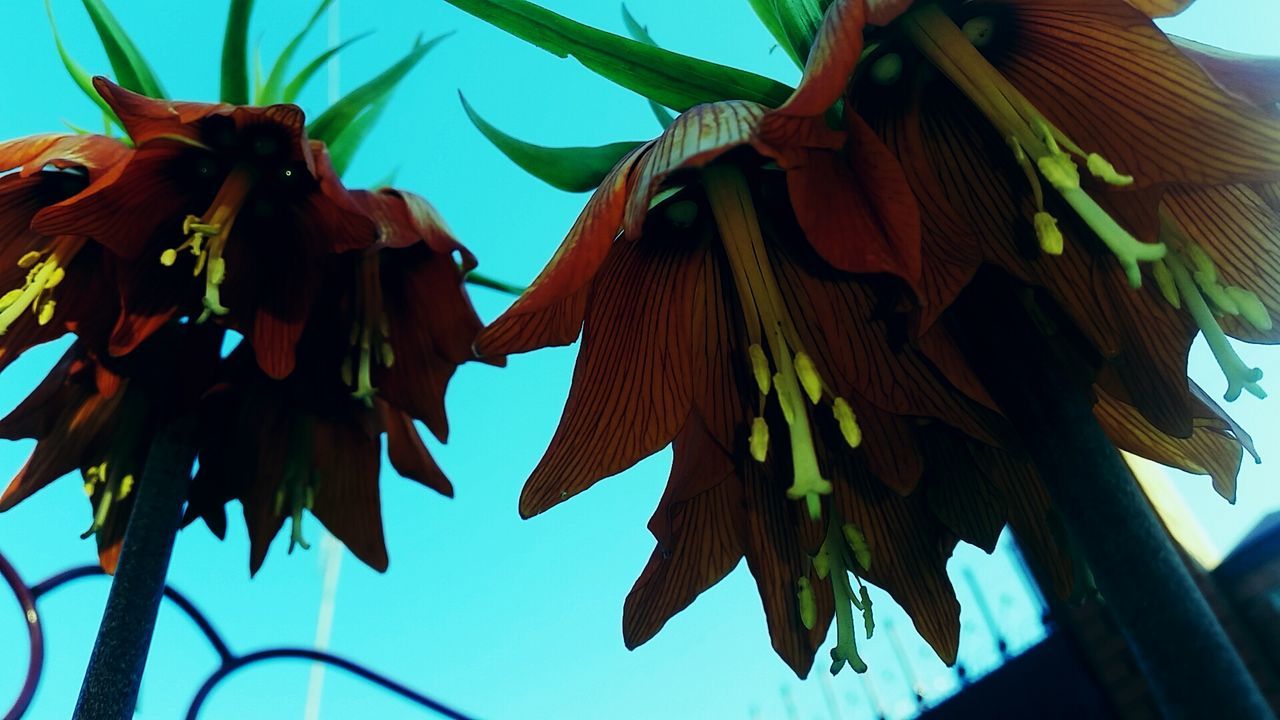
{"points": [[35, 637], [182, 601], [229, 661], [317, 656]]}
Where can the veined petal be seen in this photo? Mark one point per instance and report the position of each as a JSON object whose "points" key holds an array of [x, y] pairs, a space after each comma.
{"points": [[701, 547], [958, 491], [1161, 118], [346, 489], [631, 389], [123, 207], [1255, 78], [433, 325], [147, 119], [909, 547], [857, 210], [832, 57], [408, 455], [1160, 8], [32, 154], [848, 337], [551, 311], [1030, 513], [770, 535], [1240, 232], [1205, 452], [698, 136]]}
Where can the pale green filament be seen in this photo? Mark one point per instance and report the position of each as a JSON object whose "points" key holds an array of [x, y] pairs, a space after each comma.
{"points": [[834, 553], [1029, 134], [1239, 375]]}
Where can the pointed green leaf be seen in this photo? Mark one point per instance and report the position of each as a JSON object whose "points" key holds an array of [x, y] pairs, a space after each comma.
{"points": [[767, 11], [676, 81], [641, 33], [343, 148], [574, 169], [257, 72], [334, 121], [635, 29], [77, 72], [299, 82], [235, 54], [131, 69], [271, 89], [800, 20]]}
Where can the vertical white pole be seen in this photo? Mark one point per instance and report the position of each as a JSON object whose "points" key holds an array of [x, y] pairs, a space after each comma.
{"points": [[331, 550]]}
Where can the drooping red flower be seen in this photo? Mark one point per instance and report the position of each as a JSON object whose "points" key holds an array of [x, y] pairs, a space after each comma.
{"points": [[390, 328], [49, 284], [990, 105], [99, 414], [712, 320], [221, 211], [818, 430]]}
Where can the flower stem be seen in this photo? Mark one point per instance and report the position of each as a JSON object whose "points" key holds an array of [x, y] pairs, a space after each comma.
{"points": [[1191, 666], [110, 689]]}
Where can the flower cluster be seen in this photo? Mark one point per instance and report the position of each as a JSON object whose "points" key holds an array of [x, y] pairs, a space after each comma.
{"points": [[770, 290], [216, 218]]}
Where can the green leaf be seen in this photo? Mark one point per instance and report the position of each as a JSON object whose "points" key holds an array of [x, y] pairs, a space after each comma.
{"points": [[641, 33], [800, 20], [77, 72], [131, 69], [271, 89], [334, 121], [676, 81], [296, 85], [343, 148], [235, 54], [767, 11], [574, 169]]}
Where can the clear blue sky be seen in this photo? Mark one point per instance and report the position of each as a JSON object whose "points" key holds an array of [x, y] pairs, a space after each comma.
{"points": [[499, 617]]}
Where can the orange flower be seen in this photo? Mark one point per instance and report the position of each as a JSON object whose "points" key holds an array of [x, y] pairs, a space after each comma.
{"points": [[391, 325], [99, 414], [33, 310], [992, 107], [235, 196]]}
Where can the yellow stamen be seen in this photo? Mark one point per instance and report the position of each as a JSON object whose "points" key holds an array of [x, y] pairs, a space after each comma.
{"points": [[807, 604], [1164, 281], [1048, 234], [759, 443], [1102, 169], [760, 367], [809, 378], [858, 544], [45, 271], [370, 332], [207, 235], [847, 421], [764, 310], [1251, 308], [952, 51]]}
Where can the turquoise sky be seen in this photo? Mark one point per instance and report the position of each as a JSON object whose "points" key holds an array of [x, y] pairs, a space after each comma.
{"points": [[498, 617]]}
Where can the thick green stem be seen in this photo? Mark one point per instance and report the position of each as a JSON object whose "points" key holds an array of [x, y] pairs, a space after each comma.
{"points": [[110, 689], [1191, 666]]}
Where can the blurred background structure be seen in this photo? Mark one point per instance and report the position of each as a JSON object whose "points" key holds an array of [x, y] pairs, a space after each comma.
{"points": [[503, 618]]}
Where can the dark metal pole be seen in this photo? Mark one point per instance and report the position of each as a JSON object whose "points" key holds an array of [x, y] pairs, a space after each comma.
{"points": [[110, 689], [1192, 667]]}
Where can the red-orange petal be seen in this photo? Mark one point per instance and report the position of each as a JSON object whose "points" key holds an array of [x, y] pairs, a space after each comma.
{"points": [[631, 389], [550, 312]]}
